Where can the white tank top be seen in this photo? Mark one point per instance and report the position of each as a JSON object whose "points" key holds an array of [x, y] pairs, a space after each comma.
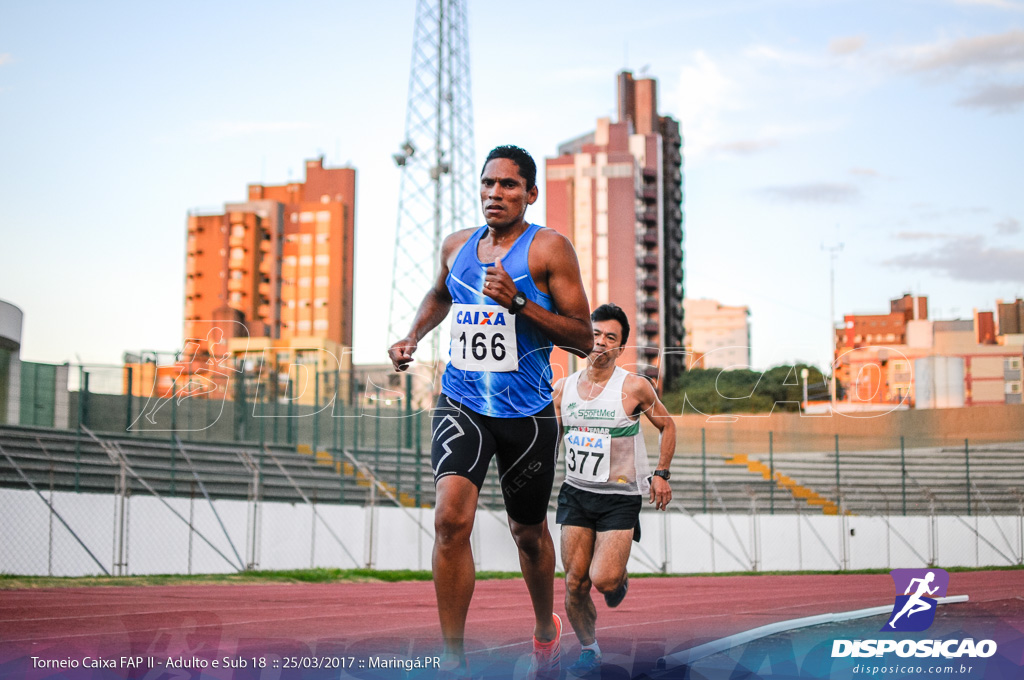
{"points": [[604, 448]]}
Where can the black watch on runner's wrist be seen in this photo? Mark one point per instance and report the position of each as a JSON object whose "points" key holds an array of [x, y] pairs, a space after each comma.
{"points": [[664, 474], [518, 302]]}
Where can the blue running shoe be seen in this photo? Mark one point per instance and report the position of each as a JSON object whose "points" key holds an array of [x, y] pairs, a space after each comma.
{"points": [[588, 663]]}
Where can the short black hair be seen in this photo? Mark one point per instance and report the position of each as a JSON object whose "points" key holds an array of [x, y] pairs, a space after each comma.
{"points": [[522, 159], [610, 312]]}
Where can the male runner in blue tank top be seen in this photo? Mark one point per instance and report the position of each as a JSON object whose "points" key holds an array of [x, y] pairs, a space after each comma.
{"points": [[514, 290]]}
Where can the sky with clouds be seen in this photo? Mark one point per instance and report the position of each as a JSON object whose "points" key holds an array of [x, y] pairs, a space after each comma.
{"points": [[894, 129]]}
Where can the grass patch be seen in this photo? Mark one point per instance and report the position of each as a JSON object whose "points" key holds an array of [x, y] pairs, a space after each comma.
{"points": [[15, 582]]}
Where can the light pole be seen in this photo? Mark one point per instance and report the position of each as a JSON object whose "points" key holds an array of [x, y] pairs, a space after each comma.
{"points": [[833, 252]]}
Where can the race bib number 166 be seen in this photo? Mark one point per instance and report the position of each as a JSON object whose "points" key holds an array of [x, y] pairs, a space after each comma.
{"points": [[483, 339]]}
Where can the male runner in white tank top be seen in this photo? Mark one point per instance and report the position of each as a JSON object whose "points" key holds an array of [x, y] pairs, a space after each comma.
{"points": [[607, 475]]}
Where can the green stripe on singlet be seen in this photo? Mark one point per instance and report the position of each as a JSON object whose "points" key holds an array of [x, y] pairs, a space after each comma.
{"points": [[615, 432]]}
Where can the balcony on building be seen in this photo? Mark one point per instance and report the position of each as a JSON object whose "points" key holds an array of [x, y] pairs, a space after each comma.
{"points": [[651, 305], [651, 283], [650, 238], [236, 284], [649, 261], [264, 289], [651, 328], [267, 245], [650, 192]]}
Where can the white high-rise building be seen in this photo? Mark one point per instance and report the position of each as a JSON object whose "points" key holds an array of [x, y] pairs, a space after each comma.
{"points": [[718, 336]]}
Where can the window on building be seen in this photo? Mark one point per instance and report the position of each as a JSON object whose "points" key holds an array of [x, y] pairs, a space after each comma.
{"points": [[238, 230], [1012, 363]]}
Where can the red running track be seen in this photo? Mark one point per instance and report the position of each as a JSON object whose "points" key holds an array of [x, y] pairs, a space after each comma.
{"points": [[360, 620]]}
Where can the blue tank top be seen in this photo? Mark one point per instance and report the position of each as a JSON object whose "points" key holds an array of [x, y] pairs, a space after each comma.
{"points": [[508, 394]]}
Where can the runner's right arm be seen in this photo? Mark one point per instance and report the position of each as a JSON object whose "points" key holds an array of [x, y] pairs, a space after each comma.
{"points": [[434, 307]]}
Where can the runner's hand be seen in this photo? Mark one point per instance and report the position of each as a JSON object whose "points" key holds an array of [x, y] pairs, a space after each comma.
{"points": [[498, 285], [400, 353], [661, 493]]}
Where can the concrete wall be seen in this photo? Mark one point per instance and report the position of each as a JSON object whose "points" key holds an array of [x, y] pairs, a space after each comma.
{"points": [[292, 536]]}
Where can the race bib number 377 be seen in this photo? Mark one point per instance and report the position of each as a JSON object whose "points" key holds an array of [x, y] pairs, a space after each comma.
{"points": [[587, 455], [483, 339]]}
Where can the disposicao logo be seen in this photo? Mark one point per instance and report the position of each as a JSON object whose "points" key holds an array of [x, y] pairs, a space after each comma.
{"points": [[914, 610]]}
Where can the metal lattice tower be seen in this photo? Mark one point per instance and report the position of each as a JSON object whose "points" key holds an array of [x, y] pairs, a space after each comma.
{"points": [[437, 192]]}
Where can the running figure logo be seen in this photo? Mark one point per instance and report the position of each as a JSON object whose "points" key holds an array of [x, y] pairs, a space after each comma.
{"points": [[920, 588]]}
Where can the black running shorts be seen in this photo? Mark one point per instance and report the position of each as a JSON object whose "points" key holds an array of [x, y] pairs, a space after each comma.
{"points": [[599, 511], [463, 442]]}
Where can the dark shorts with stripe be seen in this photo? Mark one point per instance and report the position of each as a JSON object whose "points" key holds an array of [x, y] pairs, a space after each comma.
{"points": [[463, 442], [599, 511]]}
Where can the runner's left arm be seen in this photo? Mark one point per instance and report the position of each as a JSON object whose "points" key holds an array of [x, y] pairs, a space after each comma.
{"points": [[570, 327], [655, 411], [556, 401]]}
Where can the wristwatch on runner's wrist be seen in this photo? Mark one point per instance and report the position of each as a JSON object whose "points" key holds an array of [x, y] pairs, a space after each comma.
{"points": [[518, 302], [664, 474]]}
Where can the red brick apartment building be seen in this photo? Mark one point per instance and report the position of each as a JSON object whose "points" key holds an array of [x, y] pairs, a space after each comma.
{"points": [[617, 194]]}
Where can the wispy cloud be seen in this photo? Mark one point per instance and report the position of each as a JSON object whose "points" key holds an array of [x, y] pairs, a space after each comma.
{"points": [[1008, 227], [921, 235], [815, 192], [931, 212], [985, 51], [997, 4], [966, 259], [5, 58], [995, 98], [216, 131], [744, 147], [241, 128], [703, 94], [865, 172], [846, 45]]}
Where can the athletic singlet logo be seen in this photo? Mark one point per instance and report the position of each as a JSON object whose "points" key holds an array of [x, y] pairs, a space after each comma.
{"points": [[595, 414], [927, 585]]}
